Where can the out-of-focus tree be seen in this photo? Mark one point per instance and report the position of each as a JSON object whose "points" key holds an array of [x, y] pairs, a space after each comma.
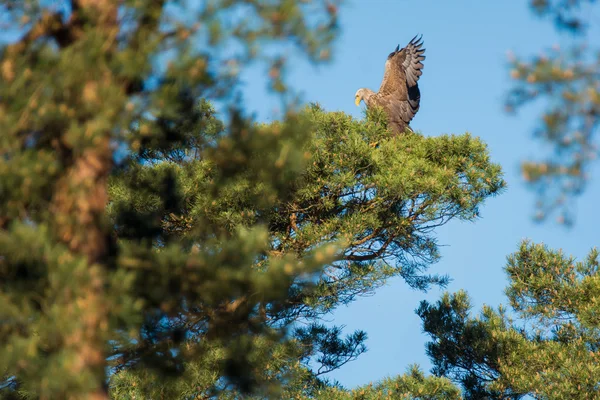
{"points": [[566, 80], [85, 87]]}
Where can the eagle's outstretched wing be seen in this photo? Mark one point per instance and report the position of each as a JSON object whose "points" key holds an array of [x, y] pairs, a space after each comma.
{"points": [[402, 71], [403, 67], [413, 55]]}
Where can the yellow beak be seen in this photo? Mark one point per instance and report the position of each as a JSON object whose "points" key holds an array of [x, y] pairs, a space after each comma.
{"points": [[357, 101]]}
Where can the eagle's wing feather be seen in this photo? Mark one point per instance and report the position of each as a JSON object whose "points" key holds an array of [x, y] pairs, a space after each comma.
{"points": [[393, 78], [411, 63], [400, 113], [399, 93], [403, 67]]}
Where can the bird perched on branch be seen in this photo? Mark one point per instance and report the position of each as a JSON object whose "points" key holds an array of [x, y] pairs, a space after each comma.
{"points": [[399, 94]]}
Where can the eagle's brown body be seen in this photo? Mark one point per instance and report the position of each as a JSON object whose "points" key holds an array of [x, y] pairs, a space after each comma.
{"points": [[399, 94]]}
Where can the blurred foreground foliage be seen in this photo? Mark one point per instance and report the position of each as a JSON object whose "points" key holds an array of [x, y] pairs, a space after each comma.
{"points": [[566, 81]]}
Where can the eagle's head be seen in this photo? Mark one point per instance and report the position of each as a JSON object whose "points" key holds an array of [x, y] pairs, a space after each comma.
{"points": [[358, 97], [363, 94]]}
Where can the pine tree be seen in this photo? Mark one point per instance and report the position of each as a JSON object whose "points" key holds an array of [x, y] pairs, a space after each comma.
{"points": [[84, 277], [354, 192], [152, 248], [411, 385], [545, 346]]}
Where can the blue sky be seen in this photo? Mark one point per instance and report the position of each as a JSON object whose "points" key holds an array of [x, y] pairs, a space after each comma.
{"points": [[463, 86]]}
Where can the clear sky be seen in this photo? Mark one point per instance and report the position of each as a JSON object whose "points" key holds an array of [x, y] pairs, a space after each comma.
{"points": [[463, 86]]}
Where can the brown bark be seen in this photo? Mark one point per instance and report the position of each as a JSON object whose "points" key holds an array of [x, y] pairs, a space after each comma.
{"points": [[78, 206], [80, 200]]}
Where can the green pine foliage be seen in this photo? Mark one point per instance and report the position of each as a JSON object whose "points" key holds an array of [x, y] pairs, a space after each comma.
{"points": [[373, 210], [412, 385], [546, 347]]}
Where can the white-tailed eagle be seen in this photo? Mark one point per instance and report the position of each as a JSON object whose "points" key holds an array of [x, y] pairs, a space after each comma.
{"points": [[399, 93]]}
